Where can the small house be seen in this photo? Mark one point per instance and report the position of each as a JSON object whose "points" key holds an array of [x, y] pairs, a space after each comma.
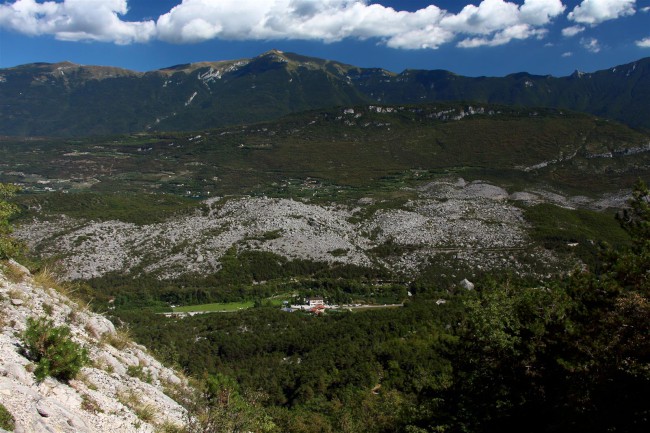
{"points": [[315, 301]]}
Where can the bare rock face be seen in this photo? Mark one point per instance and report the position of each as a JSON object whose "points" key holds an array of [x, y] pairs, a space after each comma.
{"points": [[475, 221], [466, 284], [16, 372], [103, 397], [99, 326]]}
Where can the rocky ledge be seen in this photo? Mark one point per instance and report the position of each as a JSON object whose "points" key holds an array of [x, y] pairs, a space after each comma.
{"points": [[123, 389]]}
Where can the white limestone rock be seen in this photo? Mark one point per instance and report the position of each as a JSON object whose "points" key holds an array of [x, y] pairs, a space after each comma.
{"points": [[466, 284], [52, 406]]}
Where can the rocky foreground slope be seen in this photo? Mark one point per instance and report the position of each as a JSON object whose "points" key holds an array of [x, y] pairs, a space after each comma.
{"points": [[122, 390]]}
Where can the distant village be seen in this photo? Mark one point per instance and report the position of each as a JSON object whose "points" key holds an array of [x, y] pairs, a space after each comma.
{"points": [[314, 304], [317, 306]]}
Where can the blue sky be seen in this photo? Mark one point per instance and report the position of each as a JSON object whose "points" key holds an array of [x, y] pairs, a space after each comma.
{"points": [[488, 37]]}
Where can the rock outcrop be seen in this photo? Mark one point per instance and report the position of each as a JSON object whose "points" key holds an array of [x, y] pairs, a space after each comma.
{"points": [[123, 389]]}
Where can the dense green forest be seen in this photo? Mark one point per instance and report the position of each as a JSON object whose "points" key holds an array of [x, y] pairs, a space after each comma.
{"points": [[567, 355]]}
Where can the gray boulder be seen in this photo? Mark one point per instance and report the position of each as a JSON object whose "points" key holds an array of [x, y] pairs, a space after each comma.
{"points": [[466, 284]]}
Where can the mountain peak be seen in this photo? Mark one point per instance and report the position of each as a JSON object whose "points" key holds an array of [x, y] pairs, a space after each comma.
{"points": [[578, 74], [272, 52], [65, 64]]}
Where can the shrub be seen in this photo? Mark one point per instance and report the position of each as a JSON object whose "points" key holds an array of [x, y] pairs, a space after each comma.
{"points": [[53, 351], [139, 373], [9, 247], [169, 427], [89, 404], [7, 421]]}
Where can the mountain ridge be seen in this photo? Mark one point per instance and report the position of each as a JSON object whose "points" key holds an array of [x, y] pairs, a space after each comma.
{"points": [[191, 66], [65, 99]]}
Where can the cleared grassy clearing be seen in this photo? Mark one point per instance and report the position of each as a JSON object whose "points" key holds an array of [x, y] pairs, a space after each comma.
{"points": [[224, 307], [217, 307]]}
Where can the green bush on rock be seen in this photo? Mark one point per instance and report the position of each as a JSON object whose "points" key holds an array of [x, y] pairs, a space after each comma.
{"points": [[52, 349], [7, 421], [9, 247]]}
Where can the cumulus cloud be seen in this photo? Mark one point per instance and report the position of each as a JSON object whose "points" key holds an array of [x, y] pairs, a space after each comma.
{"points": [[541, 12], [498, 22], [643, 43], [491, 22], [594, 12], [572, 31], [567, 54], [74, 20], [521, 31], [590, 44]]}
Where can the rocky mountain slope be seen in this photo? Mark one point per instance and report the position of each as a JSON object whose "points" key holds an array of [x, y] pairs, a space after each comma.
{"points": [[69, 99], [476, 222], [122, 390]]}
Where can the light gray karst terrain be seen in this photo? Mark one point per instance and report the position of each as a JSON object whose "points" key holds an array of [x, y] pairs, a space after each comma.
{"points": [[473, 223], [196, 243], [106, 396]]}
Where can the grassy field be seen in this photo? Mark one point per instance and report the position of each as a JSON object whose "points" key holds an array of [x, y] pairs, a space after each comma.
{"points": [[214, 308], [223, 307]]}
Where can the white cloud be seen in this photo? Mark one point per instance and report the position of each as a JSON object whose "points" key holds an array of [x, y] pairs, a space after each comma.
{"points": [[594, 12], [521, 31], [567, 54], [498, 22], [498, 15], [572, 31], [645, 9], [541, 12], [491, 22], [75, 20], [644, 43], [590, 44]]}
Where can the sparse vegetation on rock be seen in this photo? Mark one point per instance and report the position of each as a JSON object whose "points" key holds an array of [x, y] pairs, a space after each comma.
{"points": [[9, 247], [54, 369], [7, 421], [52, 349]]}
